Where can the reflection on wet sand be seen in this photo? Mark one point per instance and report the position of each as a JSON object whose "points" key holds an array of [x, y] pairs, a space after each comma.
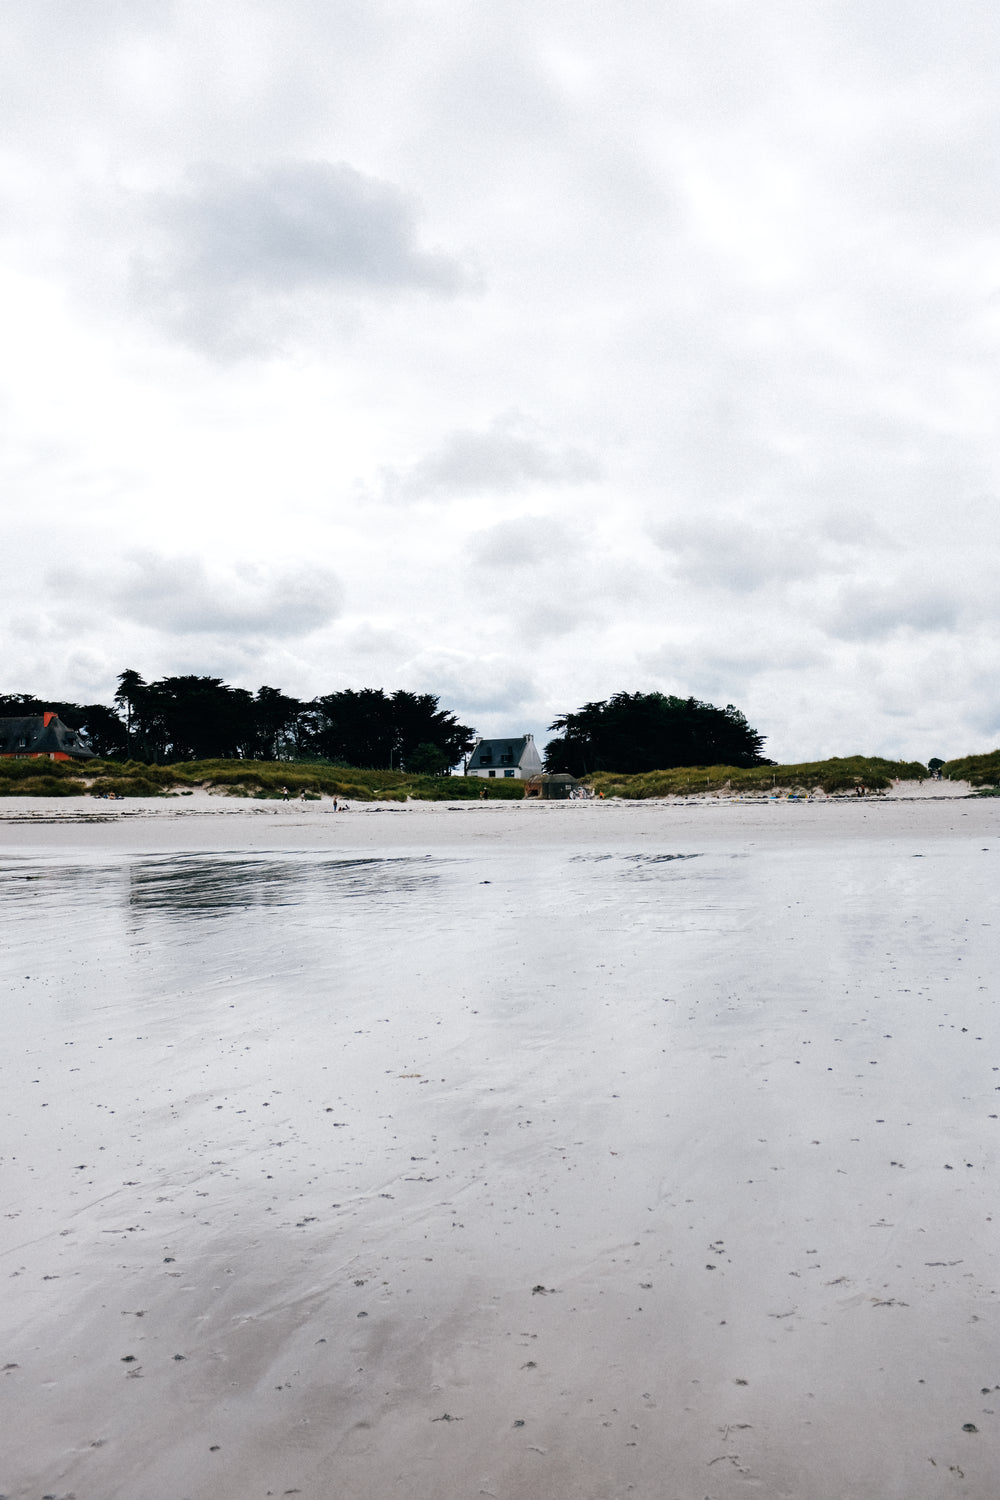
{"points": [[212, 884], [631, 1163]]}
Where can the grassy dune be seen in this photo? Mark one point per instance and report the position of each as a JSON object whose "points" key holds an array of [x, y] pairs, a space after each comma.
{"points": [[980, 770], [264, 780], [261, 780], [836, 775]]}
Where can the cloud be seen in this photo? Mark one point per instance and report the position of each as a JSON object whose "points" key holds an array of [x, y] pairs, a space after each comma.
{"points": [[522, 542], [485, 685], [179, 595], [238, 251], [745, 557], [508, 456], [874, 611]]}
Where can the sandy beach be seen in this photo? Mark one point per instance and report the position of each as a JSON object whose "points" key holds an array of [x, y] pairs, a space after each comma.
{"points": [[576, 1151]]}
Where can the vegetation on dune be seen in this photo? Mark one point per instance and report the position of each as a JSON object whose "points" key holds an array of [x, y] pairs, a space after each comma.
{"points": [[272, 780], [979, 770], [40, 778], [831, 776], [261, 780]]}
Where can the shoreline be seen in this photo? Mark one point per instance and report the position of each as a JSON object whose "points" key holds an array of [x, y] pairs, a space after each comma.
{"points": [[210, 821]]}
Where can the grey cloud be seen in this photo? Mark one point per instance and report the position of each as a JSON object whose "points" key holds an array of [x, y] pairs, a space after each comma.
{"points": [[745, 557], [236, 246], [367, 640], [179, 595], [874, 612], [500, 459], [549, 623], [522, 542], [725, 671], [472, 684]]}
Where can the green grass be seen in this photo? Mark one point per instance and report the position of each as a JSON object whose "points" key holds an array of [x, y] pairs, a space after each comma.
{"points": [[260, 780], [265, 780], [840, 774], [40, 778], [980, 770]]}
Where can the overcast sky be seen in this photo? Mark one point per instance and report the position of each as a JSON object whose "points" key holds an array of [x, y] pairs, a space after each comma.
{"points": [[516, 353]]}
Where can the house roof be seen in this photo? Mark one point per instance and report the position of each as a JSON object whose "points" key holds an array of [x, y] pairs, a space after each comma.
{"points": [[30, 735], [489, 753]]}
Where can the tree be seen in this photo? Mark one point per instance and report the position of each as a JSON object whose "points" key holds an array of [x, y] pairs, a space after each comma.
{"points": [[193, 718], [635, 732], [369, 728], [427, 760], [203, 718], [280, 725], [128, 696]]}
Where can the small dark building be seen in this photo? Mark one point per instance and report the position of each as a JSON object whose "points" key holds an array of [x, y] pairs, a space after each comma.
{"points": [[552, 786], [38, 735]]}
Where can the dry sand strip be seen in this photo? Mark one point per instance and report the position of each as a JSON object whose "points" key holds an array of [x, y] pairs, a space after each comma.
{"points": [[583, 1151], [208, 820]]}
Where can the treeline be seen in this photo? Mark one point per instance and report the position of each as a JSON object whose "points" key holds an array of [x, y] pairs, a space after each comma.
{"points": [[633, 733], [202, 718]]}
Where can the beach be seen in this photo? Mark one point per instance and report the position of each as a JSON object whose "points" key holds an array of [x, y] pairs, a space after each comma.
{"points": [[579, 1150]]}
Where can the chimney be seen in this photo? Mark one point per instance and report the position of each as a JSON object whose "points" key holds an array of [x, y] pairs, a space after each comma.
{"points": [[47, 718]]}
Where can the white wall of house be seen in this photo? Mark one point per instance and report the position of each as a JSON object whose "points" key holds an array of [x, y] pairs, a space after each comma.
{"points": [[529, 764]]}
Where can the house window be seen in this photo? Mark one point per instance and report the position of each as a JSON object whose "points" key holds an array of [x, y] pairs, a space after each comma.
{"points": [[486, 758], [493, 773], [506, 758], [508, 773]]}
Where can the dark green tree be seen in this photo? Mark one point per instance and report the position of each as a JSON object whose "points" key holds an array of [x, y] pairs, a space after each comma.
{"points": [[427, 760], [370, 728], [635, 732], [194, 718], [129, 697], [281, 725]]}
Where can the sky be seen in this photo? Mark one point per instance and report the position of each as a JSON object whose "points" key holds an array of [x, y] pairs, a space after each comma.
{"points": [[520, 354]]}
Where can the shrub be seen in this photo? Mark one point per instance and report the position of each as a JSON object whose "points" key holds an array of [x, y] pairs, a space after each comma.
{"points": [[978, 770], [831, 776], [129, 786], [41, 786]]}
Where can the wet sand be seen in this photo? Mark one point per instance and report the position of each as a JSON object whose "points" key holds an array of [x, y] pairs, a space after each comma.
{"points": [[580, 1151]]}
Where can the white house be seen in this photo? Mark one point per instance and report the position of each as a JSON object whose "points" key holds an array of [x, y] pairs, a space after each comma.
{"points": [[515, 757]]}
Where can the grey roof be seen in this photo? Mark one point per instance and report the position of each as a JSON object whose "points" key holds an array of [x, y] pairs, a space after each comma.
{"points": [[31, 735], [491, 753]]}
